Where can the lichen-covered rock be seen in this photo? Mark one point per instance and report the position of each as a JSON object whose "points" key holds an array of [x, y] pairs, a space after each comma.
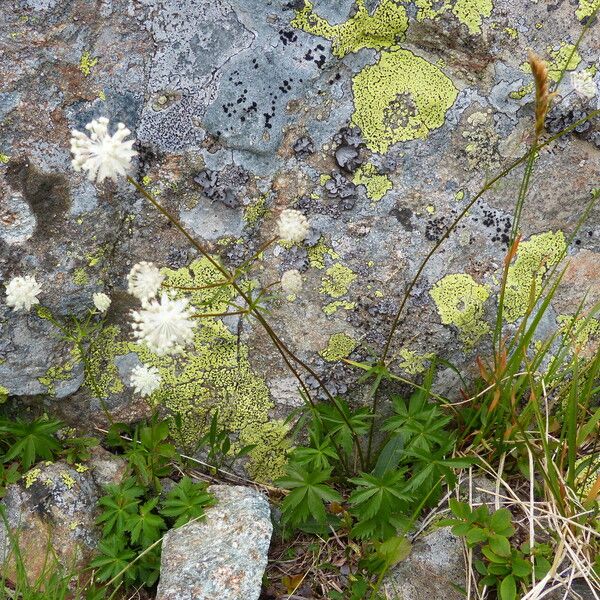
{"points": [[434, 570], [222, 557], [51, 513], [380, 120]]}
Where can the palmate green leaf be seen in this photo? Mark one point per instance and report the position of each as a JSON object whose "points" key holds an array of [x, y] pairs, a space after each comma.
{"points": [[186, 501], [376, 500], [30, 441], [148, 567], [337, 427], [114, 556], [118, 505], [308, 496], [145, 526]]}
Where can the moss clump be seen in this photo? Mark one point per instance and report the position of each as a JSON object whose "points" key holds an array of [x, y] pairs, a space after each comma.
{"points": [[384, 28], [339, 346], [459, 300], [337, 280], [533, 259], [377, 185], [401, 97]]}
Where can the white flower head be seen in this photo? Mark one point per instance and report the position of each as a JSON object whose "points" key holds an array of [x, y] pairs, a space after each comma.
{"points": [[101, 301], [21, 293], [144, 280], [102, 155], [291, 281], [145, 380], [583, 84], [293, 226], [165, 326]]}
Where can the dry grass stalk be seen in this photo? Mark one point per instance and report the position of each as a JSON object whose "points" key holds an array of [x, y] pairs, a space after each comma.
{"points": [[542, 92]]}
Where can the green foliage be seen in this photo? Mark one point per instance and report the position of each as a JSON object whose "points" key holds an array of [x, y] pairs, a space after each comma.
{"points": [[146, 448], [379, 504], [308, 495], [27, 442], [217, 444], [133, 523], [186, 501], [503, 567]]}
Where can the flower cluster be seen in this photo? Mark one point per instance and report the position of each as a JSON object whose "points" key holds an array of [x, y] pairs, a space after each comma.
{"points": [[293, 226], [144, 280], [101, 302], [164, 325], [145, 380], [291, 281], [22, 292], [101, 155]]}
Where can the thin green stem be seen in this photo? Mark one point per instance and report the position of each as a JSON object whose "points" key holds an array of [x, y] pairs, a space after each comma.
{"points": [[458, 219]]}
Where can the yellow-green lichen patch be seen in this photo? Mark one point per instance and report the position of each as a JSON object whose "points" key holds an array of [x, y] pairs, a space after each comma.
{"points": [[401, 97], [318, 252], [377, 185], [586, 8], [86, 63], [67, 480], [469, 12], [57, 373], [256, 211], [31, 477], [472, 12], [384, 28], [215, 375], [4, 158], [3, 394], [534, 258], [414, 363], [583, 334], [566, 58], [337, 280], [80, 277], [339, 346], [102, 376], [333, 307], [459, 300]]}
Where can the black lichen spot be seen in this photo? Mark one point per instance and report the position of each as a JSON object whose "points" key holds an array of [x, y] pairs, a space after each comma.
{"points": [[435, 228], [500, 224], [303, 147], [287, 36], [47, 195]]}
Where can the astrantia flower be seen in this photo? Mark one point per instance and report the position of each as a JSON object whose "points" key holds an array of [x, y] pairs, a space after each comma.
{"points": [[21, 293], [583, 84], [101, 154], [291, 281], [145, 380], [144, 280], [293, 225], [101, 301], [165, 326]]}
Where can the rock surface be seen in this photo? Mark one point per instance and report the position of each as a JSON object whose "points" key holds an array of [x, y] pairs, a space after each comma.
{"points": [[435, 570], [223, 557], [52, 512], [379, 120]]}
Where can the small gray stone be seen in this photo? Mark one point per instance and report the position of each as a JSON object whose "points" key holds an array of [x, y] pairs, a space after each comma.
{"points": [[433, 570], [222, 557]]}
